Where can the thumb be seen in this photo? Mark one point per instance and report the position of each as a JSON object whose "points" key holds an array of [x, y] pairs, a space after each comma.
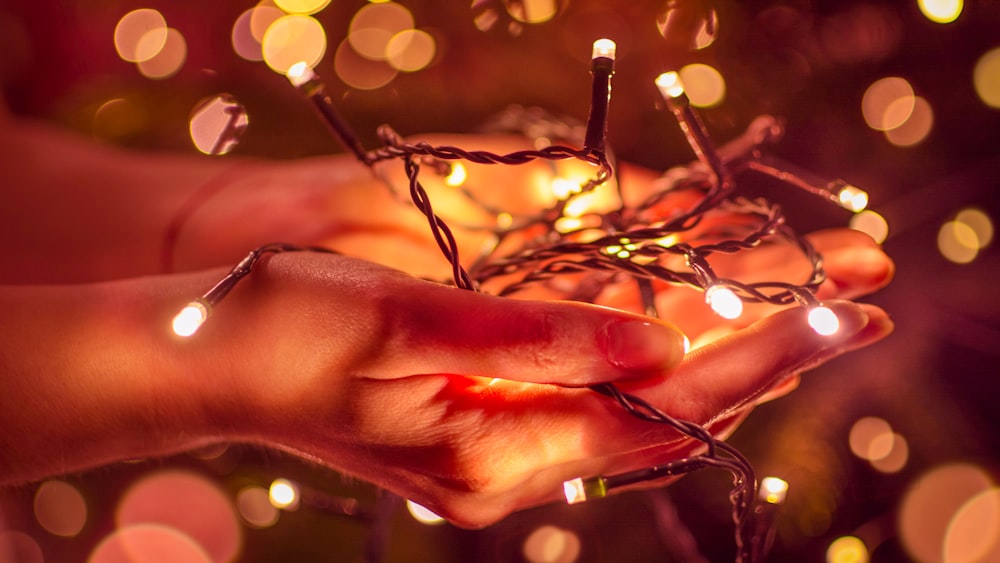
{"points": [[438, 329]]}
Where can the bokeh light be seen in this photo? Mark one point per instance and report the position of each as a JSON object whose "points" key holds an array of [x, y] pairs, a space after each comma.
{"points": [[293, 39], [148, 543], [958, 242], [865, 436], [217, 123], [423, 514], [410, 50], [283, 494], [18, 547], [359, 72], [887, 103], [872, 224], [188, 503], [304, 7], [532, 11], [374, 25], [986, 77], [973, 535], [261, 18], [140, 34], [60, 508], [941, 11], [704, 85], [773, 490], [691, 25], [116, 119], [980, 224], [169, 60], [549, 544], [847, 549], [254, 505], [244, 43], [898, 456], [930, 504], [916, 127]]}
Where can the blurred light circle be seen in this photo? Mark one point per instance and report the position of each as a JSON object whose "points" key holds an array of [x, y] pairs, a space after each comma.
{"points": [[847, 549], [973, 534], [292, 39], [60, 508], [169, 60], [941, 11], [879, 104], [305, 7], [359, 72], [932, 501], [244, 43], [872, 224], [864, 432], [254, 505], [916, 127], [549, 544], [979, 222], [986, 77], [18, 547], [957, 242], [216, 125], [116, 119], [895, 460], [140, 34], [148, 543], [532, 11], [189, 503], [261, 18], [374, 25], [423, 514], [688, 24], [410, 50], [704, 85]]}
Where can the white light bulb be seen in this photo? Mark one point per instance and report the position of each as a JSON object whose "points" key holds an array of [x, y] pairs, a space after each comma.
{"points": [[669, 84], [457, 176], [773, 490], [190, 319], [423, 514], [724, 302], [283, 494], [853, 198], [300, 73], [574, 491], [824, 321], [604, 48]]}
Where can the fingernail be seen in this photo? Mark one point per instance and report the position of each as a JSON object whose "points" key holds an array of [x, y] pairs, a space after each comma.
{"points": [[851, 317], [641, 345]]}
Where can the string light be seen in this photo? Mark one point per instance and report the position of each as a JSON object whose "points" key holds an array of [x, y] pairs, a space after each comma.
{"points": [[191, 317], [629, 241]]}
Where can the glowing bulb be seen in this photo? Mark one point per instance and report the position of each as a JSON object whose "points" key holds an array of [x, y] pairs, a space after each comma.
{"points": [[300, 73], [190, 319], [574, 491], [853, 198], [604, 48], [562, 188], [824, 321], [283, 494], [457, 176], [669, 84], [422, 514], [773, 490], [724, 302]]}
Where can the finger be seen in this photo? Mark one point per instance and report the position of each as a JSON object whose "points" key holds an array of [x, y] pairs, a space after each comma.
{"points": [[730, 371], [436, 329]]}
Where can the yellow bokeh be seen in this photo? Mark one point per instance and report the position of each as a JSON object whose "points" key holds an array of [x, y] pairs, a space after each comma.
{"points": [[916, 127], [169, 60], [374, 26], [986, 77], [941, 11], [532, 11], [871, 223], [847, 549], [293, 39], [410, 50], [140, 34], [303, 7], [704, 85]]}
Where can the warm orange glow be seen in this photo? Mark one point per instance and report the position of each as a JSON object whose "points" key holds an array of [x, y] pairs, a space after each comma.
{"points": [[283, 494], [261, 18], [423, 515], [897, 456], [304, 7], [255, 507], [958, 242], [140, 34], [149, 542], [293, 39], [887, 103], [824, 321], [169, 60], [980, 224], [864, 433], [724, 302], [872, 224], [359, 72], [410, 50], [941, 11], [669, 84], [931, 503], [244, 43], [986, 77], [773, 490], [190, 319], [60, 508], [704, 85], [217, 123], [847, 549], [973, 535], [20, 545], [916, 127], [549, 544], [532, 11], [373, 27]]}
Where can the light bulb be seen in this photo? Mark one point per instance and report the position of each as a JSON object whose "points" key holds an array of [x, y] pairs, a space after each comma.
{"points": [[283, 494], [724, 302], [190, 319], [423, 514], [824, 321], [853, 198], [300, 73], [457, 176], [773, 490], [604, 48], [669, 84]]}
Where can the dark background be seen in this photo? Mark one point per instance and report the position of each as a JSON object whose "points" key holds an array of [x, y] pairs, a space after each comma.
{"points": [[934, 380]]}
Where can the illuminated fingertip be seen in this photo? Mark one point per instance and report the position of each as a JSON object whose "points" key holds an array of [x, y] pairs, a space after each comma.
{"points": [[773, 490], [190, 319], [604, 48], [724, 302], [824, 321], [669, 84]]}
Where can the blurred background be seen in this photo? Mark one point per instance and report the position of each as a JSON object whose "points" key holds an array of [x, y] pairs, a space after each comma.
{"points": [[891, 453]]}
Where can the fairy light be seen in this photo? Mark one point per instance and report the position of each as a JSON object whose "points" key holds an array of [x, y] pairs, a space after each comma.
{"points": [[457, 176], [853, 198], [773, 490], [669, 85], [190, 318], [602, 67], [724, 302], [283, 494], [304, 79], [824, 321]]}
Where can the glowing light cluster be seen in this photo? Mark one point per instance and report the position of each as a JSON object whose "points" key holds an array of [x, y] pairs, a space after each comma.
{"points": [[142, 37], [961, 239], [890, 105]]}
